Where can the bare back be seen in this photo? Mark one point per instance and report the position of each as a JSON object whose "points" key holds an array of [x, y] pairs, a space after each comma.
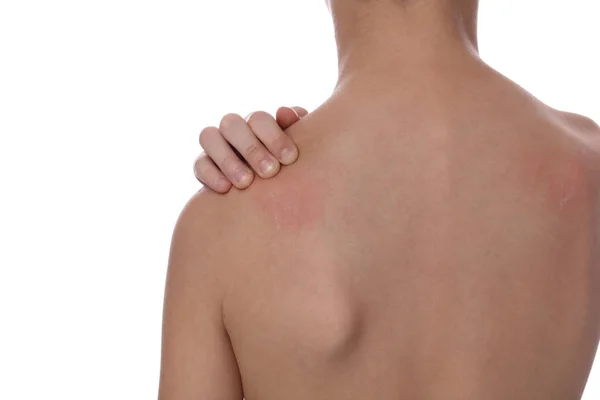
{"points": [[426, 246]]}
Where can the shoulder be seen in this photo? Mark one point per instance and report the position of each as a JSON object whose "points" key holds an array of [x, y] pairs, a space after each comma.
{"points": [[580, 123], [579, 130], [199, 244], [197, 359], [583, 134], [201, 211], [202, 216]]}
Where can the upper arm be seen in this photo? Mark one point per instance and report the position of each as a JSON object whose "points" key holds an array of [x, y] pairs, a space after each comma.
{"points": [[197, 358]]}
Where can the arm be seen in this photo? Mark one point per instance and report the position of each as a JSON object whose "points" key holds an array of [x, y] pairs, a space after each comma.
{"points": [[197, 358]]}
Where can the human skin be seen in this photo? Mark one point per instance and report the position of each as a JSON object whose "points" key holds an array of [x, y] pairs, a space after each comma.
{"points": [[438, 239], [241, 147]]}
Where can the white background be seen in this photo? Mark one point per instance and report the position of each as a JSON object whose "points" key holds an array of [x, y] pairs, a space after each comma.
{"points": [[101, 103]]}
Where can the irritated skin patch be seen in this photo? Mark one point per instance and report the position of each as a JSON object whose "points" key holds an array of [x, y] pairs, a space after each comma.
{"points": [[292, 203], [564, 180]]}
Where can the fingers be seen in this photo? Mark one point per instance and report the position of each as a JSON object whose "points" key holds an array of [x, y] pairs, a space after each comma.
{"points": [[287, 116], [238, 146], [265, 127], [237, 132], [224, 157], [300, 111], [209, 174]]}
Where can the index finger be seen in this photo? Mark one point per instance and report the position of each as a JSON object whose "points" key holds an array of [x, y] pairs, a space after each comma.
{"points": [[287, 116]]}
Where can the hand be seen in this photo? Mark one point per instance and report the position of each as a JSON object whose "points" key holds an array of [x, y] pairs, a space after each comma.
{"points": [[258, 142]]}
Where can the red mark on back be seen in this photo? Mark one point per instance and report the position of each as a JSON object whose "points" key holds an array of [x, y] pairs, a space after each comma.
{"points": [[292, 202], [563, 177]]}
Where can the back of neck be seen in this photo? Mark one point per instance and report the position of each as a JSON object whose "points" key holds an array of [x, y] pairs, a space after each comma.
{"points": [[379, 37]]}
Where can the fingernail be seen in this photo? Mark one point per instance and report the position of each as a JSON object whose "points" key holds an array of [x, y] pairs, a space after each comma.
{"points": [[288, 156], [248, 116], [266, 166], [241, 175]]}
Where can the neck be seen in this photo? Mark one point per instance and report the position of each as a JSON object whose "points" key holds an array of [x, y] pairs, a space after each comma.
{"points": [[375, 37]]}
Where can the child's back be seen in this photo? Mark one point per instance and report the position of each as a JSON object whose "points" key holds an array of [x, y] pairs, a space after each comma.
{"points": [[438, 238]]}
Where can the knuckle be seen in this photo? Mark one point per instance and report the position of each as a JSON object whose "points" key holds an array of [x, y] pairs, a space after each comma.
{"points": [[199, 159], [202, 168], [259, 116], [262, 123], [251, 150], [230, 120], [208, 134]]}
